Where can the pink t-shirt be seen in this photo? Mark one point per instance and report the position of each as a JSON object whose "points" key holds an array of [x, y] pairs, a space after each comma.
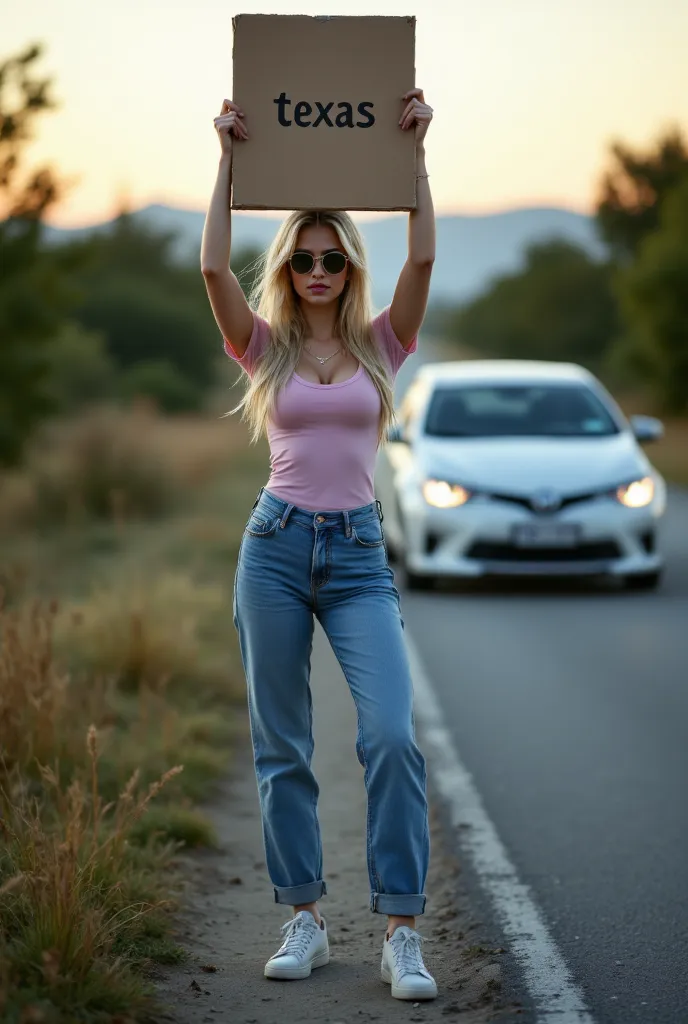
{"points": [[323, 437]]}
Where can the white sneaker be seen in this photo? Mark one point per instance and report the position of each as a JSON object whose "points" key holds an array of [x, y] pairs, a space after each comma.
{"points": [[304, 948], [403, 967]]}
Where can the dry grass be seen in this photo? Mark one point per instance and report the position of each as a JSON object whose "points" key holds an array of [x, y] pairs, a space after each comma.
{"points": [[144, 631], [37, 704], [71, 919], [84, 876], [139, 675], [200, 447], [138, 654], [110, 463]]}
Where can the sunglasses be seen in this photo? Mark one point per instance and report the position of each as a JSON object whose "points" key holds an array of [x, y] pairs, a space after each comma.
{"points": [[332, 262]]}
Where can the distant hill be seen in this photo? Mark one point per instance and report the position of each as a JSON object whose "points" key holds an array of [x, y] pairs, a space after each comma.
{"points": [[471, 250]]}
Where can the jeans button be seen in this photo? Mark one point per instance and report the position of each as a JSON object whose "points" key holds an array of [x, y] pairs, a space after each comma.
{"points": [[320, 519]]}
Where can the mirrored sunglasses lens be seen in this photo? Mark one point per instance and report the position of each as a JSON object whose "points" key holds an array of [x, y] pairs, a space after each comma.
{"points": [[301, 263], [334, 262]]}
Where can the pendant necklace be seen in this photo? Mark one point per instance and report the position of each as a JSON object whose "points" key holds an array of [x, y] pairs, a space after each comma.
{"points": [[323, 359]]}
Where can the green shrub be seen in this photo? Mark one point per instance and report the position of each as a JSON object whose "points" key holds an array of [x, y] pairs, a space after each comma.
{"points": [[141, 631], [106, 463], [160, 381], [80, 370]]}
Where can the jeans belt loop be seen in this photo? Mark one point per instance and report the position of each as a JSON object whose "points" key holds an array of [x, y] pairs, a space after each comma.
{"points": [[379, 509], [287, 513], [347, 524]]}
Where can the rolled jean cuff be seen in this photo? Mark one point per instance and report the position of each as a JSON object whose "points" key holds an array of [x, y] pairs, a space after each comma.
{"points": [[399, 906], [296, 895]]}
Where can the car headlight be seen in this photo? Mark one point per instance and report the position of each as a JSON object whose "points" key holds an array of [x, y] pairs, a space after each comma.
{"points": [[637, 494], [442, 494]]}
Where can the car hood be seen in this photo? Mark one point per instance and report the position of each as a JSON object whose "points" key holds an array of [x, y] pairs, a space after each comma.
{"points": [[520, 465]]}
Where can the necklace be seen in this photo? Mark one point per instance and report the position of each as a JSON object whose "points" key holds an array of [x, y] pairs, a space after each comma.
{"points": [[323, 359]]}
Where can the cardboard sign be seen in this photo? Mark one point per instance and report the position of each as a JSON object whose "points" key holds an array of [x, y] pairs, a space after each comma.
{"points": [[322, 99]]}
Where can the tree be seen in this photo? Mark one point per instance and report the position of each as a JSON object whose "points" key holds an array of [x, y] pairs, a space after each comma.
{"points": [[560, 306], [654, 299], [162, 382], [34, 288], [150, 308], [81, 372], [140, 322], [632, 191], [32, 197]]}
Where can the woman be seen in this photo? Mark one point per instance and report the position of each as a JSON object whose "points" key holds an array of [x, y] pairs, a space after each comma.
{"points": [[320, 375]]}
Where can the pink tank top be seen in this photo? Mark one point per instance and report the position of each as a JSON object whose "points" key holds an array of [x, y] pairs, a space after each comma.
{"points": [[323, 437]]}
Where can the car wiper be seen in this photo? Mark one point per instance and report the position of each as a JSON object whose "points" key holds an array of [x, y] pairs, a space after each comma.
{"points": [[454, 433]]}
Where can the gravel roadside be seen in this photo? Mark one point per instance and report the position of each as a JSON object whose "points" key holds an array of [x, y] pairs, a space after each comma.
{"points": [[230, 923]]}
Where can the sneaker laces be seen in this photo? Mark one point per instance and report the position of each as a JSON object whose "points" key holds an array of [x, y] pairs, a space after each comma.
{"points": [[297, 934], [407, 948]]}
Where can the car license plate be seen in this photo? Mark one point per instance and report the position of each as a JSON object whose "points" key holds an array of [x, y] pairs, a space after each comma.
{"points": [[546, 535]]}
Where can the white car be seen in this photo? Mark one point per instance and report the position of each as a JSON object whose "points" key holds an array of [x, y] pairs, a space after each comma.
{"points": [[507, 467]]}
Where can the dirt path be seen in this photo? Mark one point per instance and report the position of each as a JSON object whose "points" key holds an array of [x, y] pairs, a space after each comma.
{"points": [[231, 924]]}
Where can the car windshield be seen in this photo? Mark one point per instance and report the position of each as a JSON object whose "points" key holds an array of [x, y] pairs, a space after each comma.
{"points": [[518, 410]]}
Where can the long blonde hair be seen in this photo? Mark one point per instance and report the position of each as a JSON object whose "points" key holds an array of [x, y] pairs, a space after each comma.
{"points": [[273, 298]]}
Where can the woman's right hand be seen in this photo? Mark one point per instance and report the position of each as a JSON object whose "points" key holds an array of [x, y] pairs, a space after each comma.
{"points": [[229, 125]]}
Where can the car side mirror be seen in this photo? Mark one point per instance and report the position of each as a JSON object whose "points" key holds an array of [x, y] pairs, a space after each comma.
{"points": [[396, 435], [646, 428]]}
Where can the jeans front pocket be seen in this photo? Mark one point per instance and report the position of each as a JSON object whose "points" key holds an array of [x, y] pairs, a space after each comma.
{"points": [[259, 526], [369, 533]]}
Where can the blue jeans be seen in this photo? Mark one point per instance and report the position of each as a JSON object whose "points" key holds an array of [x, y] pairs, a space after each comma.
{"points": [[294, 565]]}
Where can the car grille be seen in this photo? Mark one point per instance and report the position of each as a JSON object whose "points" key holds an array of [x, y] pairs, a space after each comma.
{"points": [[516, 499], [488, 550]]}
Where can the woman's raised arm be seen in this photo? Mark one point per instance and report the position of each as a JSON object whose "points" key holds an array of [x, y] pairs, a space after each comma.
{"points": [[232, 311], [411, 294]]}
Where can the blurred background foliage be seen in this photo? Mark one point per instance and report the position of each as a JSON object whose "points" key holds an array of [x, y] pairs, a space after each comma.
{"points": [[625, 318], [110, 317], [115, 315]]}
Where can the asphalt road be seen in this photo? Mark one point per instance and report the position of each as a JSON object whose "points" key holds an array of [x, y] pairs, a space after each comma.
{"points": [[568, 704]]}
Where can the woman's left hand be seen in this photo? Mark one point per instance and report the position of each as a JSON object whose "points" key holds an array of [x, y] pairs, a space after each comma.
{"points": [[417, 112]]}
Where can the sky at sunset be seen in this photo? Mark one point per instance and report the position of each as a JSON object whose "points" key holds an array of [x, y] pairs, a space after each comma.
{"points": [[528, 94]]}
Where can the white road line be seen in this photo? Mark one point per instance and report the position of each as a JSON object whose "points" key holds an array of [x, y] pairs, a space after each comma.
{"points": [[557, 998]]}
